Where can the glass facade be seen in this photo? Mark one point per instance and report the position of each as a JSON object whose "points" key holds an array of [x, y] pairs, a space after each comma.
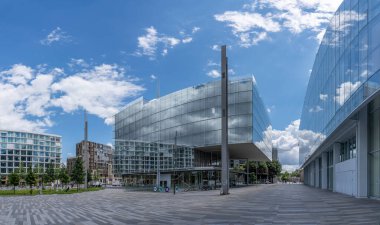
{"points": [[345, 71], [142, 157], [192, 117], [30, 149]]}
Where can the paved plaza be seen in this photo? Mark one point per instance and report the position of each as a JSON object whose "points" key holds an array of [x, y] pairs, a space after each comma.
{"points": [[262, 204]]}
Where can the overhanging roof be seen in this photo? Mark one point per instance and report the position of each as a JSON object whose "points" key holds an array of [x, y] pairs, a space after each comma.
{"points": [[239, 151]]}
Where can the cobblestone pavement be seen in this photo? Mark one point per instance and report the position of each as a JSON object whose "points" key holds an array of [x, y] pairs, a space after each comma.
{"points": [[263, 204]]}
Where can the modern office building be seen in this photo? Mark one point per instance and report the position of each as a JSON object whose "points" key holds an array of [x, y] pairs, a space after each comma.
{"points": [[275, 154], [97, 160], [29, 150], [181, 133], [340, 128]]}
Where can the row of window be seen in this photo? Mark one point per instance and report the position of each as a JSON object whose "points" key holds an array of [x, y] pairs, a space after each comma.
{"points": [[30, 136]]}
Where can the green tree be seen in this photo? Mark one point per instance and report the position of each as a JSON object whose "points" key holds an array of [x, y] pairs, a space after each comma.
{"points": [[89, 176], [96, 175], [77, 174], [50, 174], [274, 169], [296, 173], [252, 177], [14, 179], [39, 170], [63, 176], [285, 176], [21, 171], [262, 169], [31, 179]]}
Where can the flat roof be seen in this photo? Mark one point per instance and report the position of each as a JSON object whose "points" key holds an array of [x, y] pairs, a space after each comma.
{"points": [[29, 132]]}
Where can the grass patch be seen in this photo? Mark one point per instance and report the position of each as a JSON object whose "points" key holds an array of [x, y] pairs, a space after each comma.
{"points": [[47, 191]]}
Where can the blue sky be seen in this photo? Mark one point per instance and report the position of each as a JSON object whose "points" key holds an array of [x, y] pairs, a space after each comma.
{"points": [[60, 57]]}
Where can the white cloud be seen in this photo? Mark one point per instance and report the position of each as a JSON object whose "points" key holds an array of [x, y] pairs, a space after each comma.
{"points": [[164, 52], [18, 74], [323, 97], [250, 28], [187, 40], [289, 140], [213, 73], [344, 91], [56, 35], [212, 63], [153, 77], [254, 23], [77, 62], [315, 109], [149, 43], [29, 97], [271, 108], [215, 47], [289, 168], [195, 30]]}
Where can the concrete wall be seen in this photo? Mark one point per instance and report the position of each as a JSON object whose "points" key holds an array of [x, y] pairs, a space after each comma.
{"points": [[346, 177]]}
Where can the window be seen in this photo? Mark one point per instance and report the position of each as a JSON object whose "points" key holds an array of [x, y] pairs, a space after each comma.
{"points": [[348, 149]]}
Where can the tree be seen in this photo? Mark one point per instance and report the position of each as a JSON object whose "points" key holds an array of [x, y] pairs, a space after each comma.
{"points": [[262, 169], [285, 177], [274, 169], [96, 175], [21, 172], [14, 179], [296, 173], [39, 170], [77, 174], [89, 176], [63, 176], [31, 179], [50, 174]]}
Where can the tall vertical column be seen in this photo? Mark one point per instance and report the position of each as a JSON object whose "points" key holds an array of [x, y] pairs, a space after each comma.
{"points": [[224, 98], [86, 150], [362, 153], [324, 170], [336, 152], [316, 167]]}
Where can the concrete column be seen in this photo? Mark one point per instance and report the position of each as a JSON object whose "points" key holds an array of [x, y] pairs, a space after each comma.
{"points": [[224, 138], [316, 163], [324, 170], [336, 152], [312, 173], [362, 153]]}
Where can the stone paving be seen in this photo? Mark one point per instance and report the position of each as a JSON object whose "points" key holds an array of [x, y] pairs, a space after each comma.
{"points": [[262, 204]]}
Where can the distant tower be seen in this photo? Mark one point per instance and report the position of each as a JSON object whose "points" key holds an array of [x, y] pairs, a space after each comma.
{"points": [[85, 126]]}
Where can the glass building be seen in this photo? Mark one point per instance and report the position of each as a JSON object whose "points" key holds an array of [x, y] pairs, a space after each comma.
{"points": [[185, 128], [28, 149], [339, 130]]}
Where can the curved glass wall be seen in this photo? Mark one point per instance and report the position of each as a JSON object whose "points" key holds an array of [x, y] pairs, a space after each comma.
{"points": [[193, 117], [345, 72]]}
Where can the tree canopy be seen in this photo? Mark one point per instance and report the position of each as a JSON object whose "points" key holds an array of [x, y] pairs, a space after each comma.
{"points": [[77, 174]]}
